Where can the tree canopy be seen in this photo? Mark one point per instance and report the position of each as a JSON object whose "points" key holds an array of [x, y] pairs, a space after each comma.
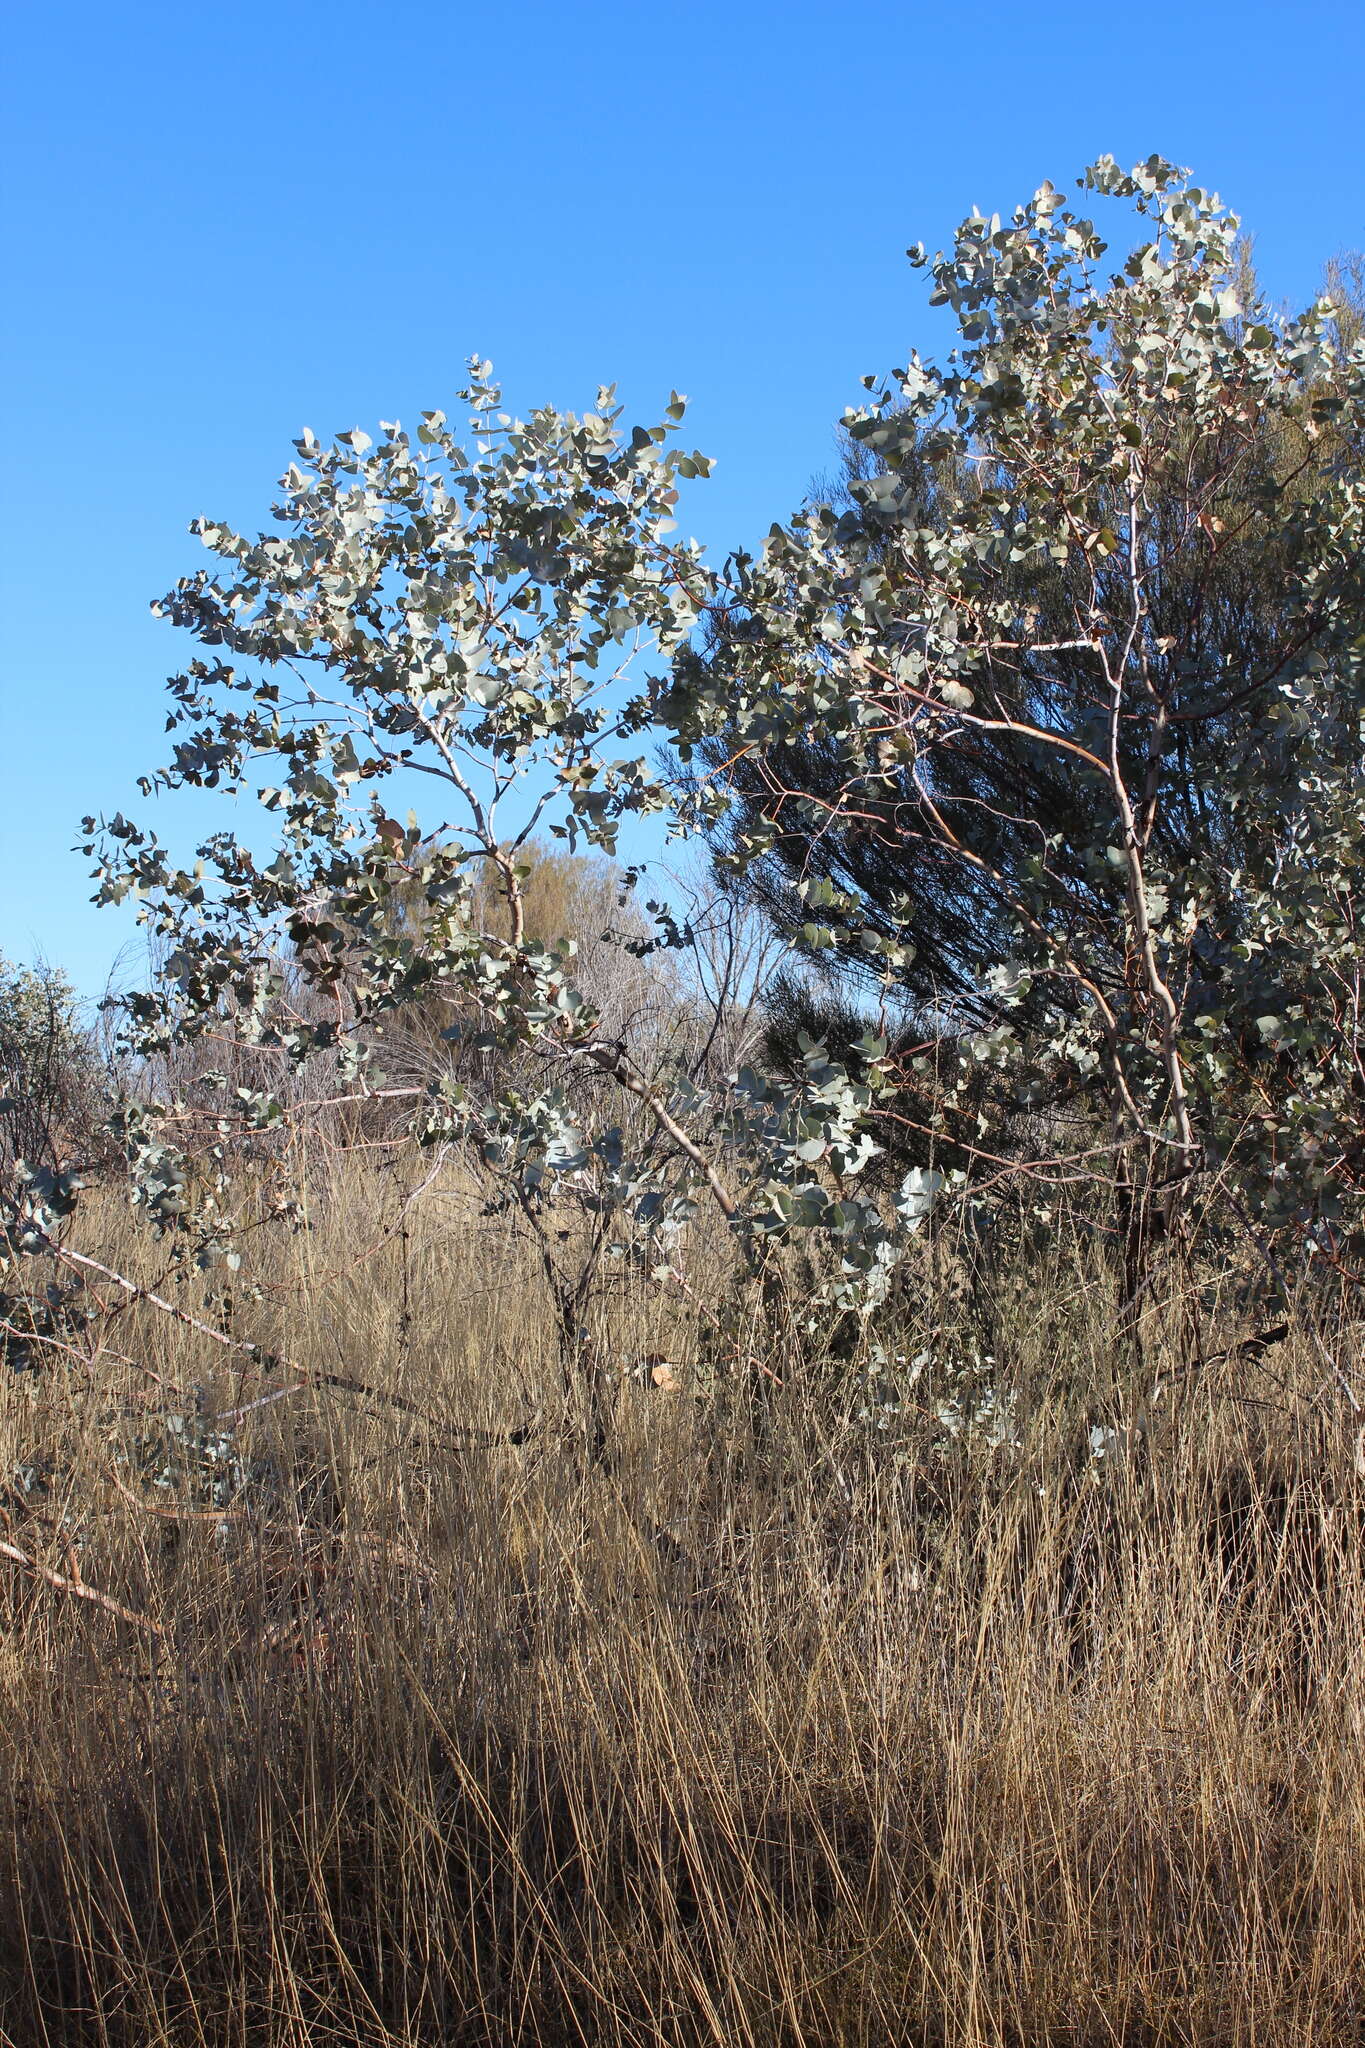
{"points": [[1082, 660], [1085, 648]]}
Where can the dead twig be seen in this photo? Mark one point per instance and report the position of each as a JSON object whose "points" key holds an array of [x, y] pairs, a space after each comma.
{"points": [[78, 1589]]}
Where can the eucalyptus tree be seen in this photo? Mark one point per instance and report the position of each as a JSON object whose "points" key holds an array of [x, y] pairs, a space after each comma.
{"points": [[1056, 723], [50, 1079], [505, 620], [475, 616], [1229, 601]]}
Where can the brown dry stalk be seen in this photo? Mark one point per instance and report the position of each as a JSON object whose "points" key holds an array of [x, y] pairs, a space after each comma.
{"points": [[78, 1589], [264, 1361]]}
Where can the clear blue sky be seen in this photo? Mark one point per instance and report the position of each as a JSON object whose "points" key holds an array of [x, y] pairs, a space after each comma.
{"points": [[228, 222]]}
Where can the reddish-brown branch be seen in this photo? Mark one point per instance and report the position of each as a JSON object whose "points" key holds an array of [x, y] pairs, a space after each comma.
{"points": [[78, 1590]]}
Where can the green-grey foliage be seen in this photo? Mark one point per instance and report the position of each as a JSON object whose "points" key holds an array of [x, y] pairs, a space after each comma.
{"points": [[475, 617], [1139, 592], [49, 1071], [503, 618]]}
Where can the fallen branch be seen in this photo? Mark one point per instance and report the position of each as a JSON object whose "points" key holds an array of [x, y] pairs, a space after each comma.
{"points": [[174, 1511], [78, 1589], [266, 1361], [464, 1439]]}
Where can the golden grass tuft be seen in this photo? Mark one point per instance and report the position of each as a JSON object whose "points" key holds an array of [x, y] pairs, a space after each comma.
{"points": [[749, 1735]]}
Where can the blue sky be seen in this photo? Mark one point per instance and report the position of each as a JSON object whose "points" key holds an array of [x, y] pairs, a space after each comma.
{"points": [[226, 223]]}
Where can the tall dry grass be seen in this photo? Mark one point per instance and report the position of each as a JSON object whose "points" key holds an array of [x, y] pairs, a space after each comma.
{"points": [[767, 1729]]}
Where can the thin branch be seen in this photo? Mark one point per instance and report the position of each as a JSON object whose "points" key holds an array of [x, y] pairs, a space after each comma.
{"points": [[78, 1589]]}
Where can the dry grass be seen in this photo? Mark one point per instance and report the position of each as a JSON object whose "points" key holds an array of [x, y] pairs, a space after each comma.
{"points": [[751, 1736]]}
